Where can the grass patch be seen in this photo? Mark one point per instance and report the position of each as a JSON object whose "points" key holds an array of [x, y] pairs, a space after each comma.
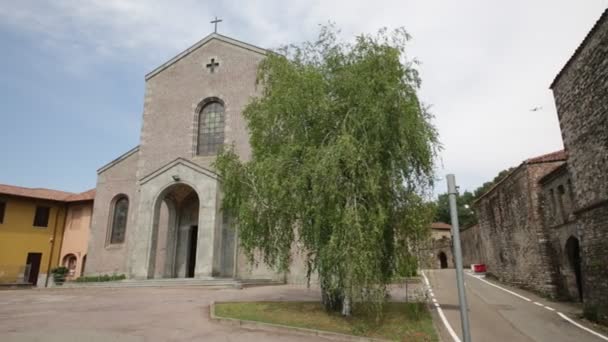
{"points": [[400, 322]]}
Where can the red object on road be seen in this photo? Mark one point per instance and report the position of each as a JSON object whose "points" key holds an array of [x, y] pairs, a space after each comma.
{"points": [[479, 268]]}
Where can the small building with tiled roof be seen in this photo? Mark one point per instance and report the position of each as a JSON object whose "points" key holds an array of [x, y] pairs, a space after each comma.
{"points": [[41, 229], [437, 251]]}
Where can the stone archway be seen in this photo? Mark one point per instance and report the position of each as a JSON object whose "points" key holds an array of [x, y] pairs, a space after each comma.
{"points": [[151, 196], [443, 260], [174, 240], [574, 259], [69, 261]]}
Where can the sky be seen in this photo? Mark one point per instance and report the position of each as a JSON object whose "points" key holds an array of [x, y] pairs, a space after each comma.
{"points": [[72, 72]]}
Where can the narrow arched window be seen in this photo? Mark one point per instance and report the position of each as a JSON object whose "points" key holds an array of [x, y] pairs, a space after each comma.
{"points": [[119, 220], [210, 129]]}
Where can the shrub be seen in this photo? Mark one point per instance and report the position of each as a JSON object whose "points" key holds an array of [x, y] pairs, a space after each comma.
{"points": [[59, 274], [101, 277]]}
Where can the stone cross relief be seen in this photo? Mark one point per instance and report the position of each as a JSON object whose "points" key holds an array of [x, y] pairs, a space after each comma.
{"points": [[212, 65]]}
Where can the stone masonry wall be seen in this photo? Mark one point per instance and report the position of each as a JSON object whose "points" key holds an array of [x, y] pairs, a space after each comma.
{"points": [[557, 205], [472, 246], [581, 98], [515, 245], [103, 257]]}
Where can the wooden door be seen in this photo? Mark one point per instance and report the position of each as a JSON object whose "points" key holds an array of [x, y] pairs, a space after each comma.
{"points": [[192, 252], [33, 259]]}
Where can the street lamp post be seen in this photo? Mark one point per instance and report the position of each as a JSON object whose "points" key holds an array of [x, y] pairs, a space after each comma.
{"points": [[462, 298]]}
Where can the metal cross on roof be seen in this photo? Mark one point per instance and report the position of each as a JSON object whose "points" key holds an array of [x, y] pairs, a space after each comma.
{"points": [[215, 21]]}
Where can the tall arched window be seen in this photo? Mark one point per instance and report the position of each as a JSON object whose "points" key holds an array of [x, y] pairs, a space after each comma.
{"points": [[210, 129], [119, 220]]}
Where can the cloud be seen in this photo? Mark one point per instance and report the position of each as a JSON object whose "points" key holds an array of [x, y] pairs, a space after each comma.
{"points": [[484, 63]]}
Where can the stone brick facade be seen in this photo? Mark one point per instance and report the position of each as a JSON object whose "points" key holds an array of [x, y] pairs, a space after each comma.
{"points": [[175, 226], [437, 252], [514, 244], [545, 226], [557, 206], [581, 97], [471, 246]]}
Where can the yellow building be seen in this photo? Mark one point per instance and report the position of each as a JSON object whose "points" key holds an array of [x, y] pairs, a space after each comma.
{"points": [[32, 225]]}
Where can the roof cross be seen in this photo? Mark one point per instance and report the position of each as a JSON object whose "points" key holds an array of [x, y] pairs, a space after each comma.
{"points": [[215, 21]]}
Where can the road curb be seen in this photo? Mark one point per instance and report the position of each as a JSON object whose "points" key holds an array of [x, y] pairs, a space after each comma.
{"points": [[271, 327]]}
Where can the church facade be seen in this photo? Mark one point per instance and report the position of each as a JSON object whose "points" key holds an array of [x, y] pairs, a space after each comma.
{"points": [[158, 206]]}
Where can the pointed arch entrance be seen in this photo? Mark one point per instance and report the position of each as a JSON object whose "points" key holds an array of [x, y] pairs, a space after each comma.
{"points": [[174, 240], [574, 259]]}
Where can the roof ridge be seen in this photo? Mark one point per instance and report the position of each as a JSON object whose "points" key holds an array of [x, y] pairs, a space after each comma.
{"points": [[200, 43], [580, 47]]}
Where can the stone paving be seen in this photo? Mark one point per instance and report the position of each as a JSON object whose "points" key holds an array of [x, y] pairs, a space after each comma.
{"points": [[138, 314]]}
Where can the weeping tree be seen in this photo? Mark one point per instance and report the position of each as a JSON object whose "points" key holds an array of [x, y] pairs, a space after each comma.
{"points": [[342, 158]]}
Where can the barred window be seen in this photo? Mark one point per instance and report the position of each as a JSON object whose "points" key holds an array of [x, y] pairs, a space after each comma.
{"points": [[210, 129], [119, 220]]}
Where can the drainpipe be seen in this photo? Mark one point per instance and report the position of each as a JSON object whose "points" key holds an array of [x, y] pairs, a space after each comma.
{"points": [[48, 268]]}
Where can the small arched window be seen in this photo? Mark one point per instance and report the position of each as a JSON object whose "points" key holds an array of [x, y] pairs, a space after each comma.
{"points": [[210, 128], [119, 220]]}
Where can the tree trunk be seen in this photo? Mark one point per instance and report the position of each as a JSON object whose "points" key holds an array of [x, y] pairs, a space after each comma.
{"points": [[346, 307], [331, 298]]}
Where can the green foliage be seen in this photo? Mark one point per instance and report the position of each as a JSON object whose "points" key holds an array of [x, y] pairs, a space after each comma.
{"points": [[59, 274], [464, 203], [400, 321], [488, 185], [342, 154], [60, 271], [466, 213], [102, 277]]}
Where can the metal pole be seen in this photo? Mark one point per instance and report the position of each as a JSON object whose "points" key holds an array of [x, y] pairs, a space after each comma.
{"points": [[464, 314]]}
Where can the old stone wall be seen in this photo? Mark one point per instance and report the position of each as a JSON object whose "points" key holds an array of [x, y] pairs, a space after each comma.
{"points": [[557, 206], [515, 245], [581, 97], [437, 251], [472, 246]]}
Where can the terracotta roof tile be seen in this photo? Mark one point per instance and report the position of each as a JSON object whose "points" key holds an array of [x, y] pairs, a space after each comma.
{"points": [[549, 157], [440, 225], [83, 196], [46, 194], [556, 156]]}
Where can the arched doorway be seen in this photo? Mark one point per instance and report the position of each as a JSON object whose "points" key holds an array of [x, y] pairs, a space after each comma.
{"points": [[443, 260], [175, 233], [574, 259], [69, 261]]}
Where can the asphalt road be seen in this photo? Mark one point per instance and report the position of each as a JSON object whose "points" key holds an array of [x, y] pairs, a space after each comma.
{"points": [[497, 315]]}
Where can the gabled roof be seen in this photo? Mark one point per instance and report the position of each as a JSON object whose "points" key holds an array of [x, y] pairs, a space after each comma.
{"points": [[552, 157], [177, 161], [200, 43], [441, 226], [549, 157], [581, 46], [83, 196], [38, 193], [119, 159], [556, 172]]}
